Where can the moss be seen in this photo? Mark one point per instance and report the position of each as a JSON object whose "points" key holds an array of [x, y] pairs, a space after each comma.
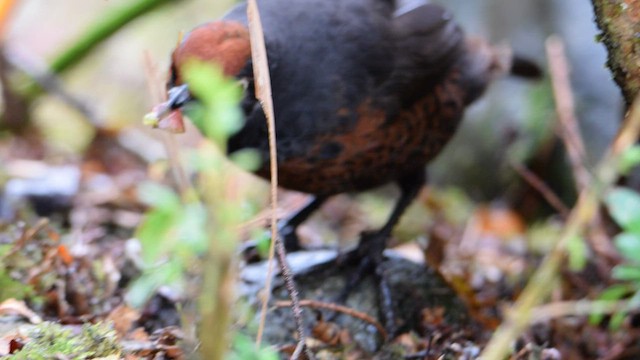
{"points": [[49, 340]]}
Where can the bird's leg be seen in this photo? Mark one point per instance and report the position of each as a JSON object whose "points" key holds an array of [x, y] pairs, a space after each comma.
{"points": [[371, 247], [287, 226]]}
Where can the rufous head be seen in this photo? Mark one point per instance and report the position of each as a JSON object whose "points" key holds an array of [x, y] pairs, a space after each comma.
{"points": [[225, 43]]}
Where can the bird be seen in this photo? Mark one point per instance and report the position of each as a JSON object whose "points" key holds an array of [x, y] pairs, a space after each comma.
{"points": [[365, 93]]}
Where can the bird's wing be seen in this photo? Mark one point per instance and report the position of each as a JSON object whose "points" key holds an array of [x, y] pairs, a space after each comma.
{"points": [[427, 43]]}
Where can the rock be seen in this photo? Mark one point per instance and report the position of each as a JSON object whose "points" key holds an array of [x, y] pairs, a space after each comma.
{"points": [[414, 288]]}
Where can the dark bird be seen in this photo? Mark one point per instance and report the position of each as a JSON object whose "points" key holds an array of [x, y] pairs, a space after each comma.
{"points": [[366, 92]]}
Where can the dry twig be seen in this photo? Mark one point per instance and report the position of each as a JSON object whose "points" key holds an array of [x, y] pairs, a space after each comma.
{"points": [[155, 85], [263, 94], [537, 183], [314, 304], [570, 134], [559, 309], [568, 125]]}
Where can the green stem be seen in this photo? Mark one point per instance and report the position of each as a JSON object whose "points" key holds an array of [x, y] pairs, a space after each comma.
{"points": [[96, 34]]}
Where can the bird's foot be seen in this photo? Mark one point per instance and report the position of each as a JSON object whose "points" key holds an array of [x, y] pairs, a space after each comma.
{"points": [[367, 259]]}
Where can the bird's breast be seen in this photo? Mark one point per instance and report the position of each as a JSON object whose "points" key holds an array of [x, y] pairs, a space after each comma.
{"points": [[380, 147]]}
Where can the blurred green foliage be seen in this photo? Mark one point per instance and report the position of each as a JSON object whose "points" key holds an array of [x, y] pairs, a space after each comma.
{"points": [[189, 240], [623, 205]]}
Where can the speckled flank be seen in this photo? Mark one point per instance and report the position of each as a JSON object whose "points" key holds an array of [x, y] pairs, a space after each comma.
{"points": [[378, 150]]}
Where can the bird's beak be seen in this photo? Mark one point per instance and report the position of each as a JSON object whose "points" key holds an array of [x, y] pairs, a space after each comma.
{"points": [[179, 96], [168, 115]]}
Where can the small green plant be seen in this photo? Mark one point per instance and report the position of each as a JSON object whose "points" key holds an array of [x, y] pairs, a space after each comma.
{"points": [[624, 206], [245, 349], [189, 240], [176, 230], [53, 341]]}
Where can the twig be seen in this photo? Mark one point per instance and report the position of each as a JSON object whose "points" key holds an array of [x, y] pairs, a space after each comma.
{"points": [[263, 94], [559, 309], [314, 304], [544, 190], [168, 139], [568, 125], [27, 235], [570, 134], [540, 286], [37, 70]]}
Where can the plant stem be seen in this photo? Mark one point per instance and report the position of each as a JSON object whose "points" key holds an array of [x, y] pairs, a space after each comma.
{"points": [[104, 27]]}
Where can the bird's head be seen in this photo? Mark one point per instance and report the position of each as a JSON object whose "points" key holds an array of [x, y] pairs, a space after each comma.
{"points": [[223, 43]]}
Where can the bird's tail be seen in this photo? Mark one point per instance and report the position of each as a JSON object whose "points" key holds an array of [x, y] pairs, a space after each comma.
{"points": [[500, 60], [525, 68], [485, 62]]}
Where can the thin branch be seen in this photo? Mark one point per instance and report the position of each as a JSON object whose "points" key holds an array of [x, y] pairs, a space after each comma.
{"points": [[534, 181], [158, 96], [560, 309], [314, 304], [38, 71], [263, 94], [570, 133], [568, 125]]}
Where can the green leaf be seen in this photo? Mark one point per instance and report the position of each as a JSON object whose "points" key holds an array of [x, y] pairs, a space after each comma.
{"points": [[626, 273], [192, 230], [615, 292], [612, 293], [152, 233], [630, 159], [263, 243], [635, 300], [247, 159], [245, 349], [616, 320], [219, 97], [628, 244], [140, 291], [158, 196], [624, 207]]}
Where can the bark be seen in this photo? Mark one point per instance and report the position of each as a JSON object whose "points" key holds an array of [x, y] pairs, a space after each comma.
{"points": [[619, 21]]}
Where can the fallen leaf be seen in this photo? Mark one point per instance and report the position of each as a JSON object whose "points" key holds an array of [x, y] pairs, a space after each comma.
{"points": [[123, 318], [18, 307]]}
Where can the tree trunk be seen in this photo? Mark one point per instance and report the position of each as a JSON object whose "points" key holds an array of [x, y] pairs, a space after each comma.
{"points": [[619, 21]]}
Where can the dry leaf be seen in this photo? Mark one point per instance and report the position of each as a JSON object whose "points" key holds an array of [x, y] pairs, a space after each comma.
{"points": [[18, 307], [123, 318]]}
